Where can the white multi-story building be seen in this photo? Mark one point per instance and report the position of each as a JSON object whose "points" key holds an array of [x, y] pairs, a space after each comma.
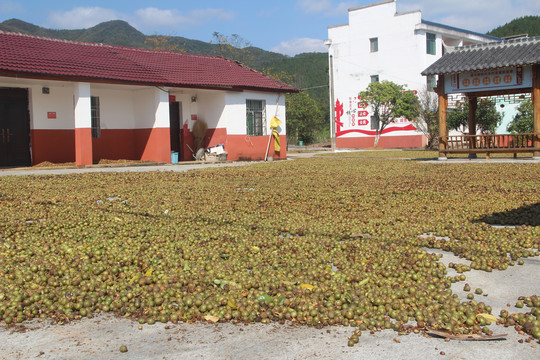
{"points": [[380, 44]]}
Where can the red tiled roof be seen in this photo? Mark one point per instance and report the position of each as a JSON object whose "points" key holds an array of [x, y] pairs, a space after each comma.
{"points": [[32, 55]]}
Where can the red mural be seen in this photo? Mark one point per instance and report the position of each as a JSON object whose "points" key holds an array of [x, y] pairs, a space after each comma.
{"points": [[339, 114], [354, 113]]}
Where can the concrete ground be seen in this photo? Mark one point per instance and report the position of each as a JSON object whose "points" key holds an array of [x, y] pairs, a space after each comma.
{"points": [[181, 167], [295, 153], [102, 336]]}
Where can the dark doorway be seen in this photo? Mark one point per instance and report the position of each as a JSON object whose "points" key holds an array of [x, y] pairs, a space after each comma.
{"points": [[14, 127], [175, 114]]}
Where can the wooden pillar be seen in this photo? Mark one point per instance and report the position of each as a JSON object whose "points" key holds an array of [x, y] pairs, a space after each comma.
{"points": [[536, 109], [473, 104], [443, 105]]}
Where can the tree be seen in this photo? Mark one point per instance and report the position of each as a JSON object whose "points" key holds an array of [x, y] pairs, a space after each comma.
{"points": [[304, 117], [163, 42], [487, 117], [529, 25], [232, 47], [280, 75], [389, 101], [428, 117], [522, 123]]}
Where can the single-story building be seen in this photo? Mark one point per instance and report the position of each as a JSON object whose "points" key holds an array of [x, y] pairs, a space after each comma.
{"points": [[66, 101]]}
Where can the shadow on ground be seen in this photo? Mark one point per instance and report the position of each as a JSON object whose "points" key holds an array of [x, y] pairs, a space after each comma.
{"points": [[524, 215]]}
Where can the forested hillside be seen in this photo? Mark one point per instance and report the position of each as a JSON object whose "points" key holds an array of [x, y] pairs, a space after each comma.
{"points": [[303, 71], [524, 25], [308, 71]]}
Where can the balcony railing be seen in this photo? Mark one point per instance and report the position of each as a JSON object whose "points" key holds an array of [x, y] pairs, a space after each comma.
{"points": [[492, 143]]}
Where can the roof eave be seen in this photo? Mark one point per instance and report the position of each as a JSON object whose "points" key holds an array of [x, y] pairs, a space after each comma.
{"points": [[60, 77]]}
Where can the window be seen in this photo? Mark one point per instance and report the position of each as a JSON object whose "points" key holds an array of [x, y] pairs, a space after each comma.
{"points": [[431, 83], [255, 117], [374, 123], [96, 122], [374, 44], [431, 44], [374, 78]]}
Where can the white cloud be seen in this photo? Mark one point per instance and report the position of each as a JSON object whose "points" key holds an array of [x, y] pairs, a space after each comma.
{"points": [[80, 17], [172, 18], [478, 15], [150, 19], [300, 45]]}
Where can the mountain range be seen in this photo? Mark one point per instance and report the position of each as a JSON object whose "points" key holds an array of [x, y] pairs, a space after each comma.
{"points": [[305, 71]]}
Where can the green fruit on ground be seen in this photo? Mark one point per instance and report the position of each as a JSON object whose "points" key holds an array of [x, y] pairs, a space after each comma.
{"points": [[346, 240]]}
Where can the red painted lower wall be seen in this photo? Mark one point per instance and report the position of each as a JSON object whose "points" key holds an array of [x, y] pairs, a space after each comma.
{"points": [[238, 147], [115, 144], [154, 144], [58, 146], [384, 142], [242, 147]]}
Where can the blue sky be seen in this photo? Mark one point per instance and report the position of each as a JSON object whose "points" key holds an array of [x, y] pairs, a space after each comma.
{"points": [[285, 26]]}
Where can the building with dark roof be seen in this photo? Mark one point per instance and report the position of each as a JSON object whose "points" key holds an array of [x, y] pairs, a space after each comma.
{"points": [[65, 101], [507, 67], [493, 55]]}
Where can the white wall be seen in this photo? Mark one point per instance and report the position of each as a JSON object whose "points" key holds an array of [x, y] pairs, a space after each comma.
{"points": [[210, 108], [401, 55], [151, 108], [227, 109], [128, 107], [234, 115], [116, 107], [83, 118], [59, 100]]}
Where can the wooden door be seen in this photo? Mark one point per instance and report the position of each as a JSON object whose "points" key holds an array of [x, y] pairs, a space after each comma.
{"points": [[175, 111], [14, 127]]}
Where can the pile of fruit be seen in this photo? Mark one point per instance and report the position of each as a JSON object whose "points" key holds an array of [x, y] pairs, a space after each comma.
{"points": [[321, 241]]}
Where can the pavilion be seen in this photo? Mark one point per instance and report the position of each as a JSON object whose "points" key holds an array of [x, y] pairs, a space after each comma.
{"points": [[509, 68]]}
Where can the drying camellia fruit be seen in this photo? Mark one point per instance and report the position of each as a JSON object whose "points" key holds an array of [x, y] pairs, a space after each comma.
{"points": [[323, 241]]}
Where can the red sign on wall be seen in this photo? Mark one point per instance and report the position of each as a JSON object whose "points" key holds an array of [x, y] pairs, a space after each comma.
{"points": [[363, 122], [51, 115], [494, 79], [363, 113]]}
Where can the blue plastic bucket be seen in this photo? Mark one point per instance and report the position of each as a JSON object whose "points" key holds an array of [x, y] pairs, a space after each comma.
{"points": [[174, 157]]}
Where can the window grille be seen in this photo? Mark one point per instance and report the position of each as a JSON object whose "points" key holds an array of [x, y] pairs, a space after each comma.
{"points": [[255, 117]]}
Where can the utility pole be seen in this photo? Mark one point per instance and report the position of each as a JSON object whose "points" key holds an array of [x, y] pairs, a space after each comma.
{"points": [[332, 111]]}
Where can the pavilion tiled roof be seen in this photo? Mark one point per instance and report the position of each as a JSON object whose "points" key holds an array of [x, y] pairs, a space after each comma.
{"points": [[33, 56], [515, 52]]}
